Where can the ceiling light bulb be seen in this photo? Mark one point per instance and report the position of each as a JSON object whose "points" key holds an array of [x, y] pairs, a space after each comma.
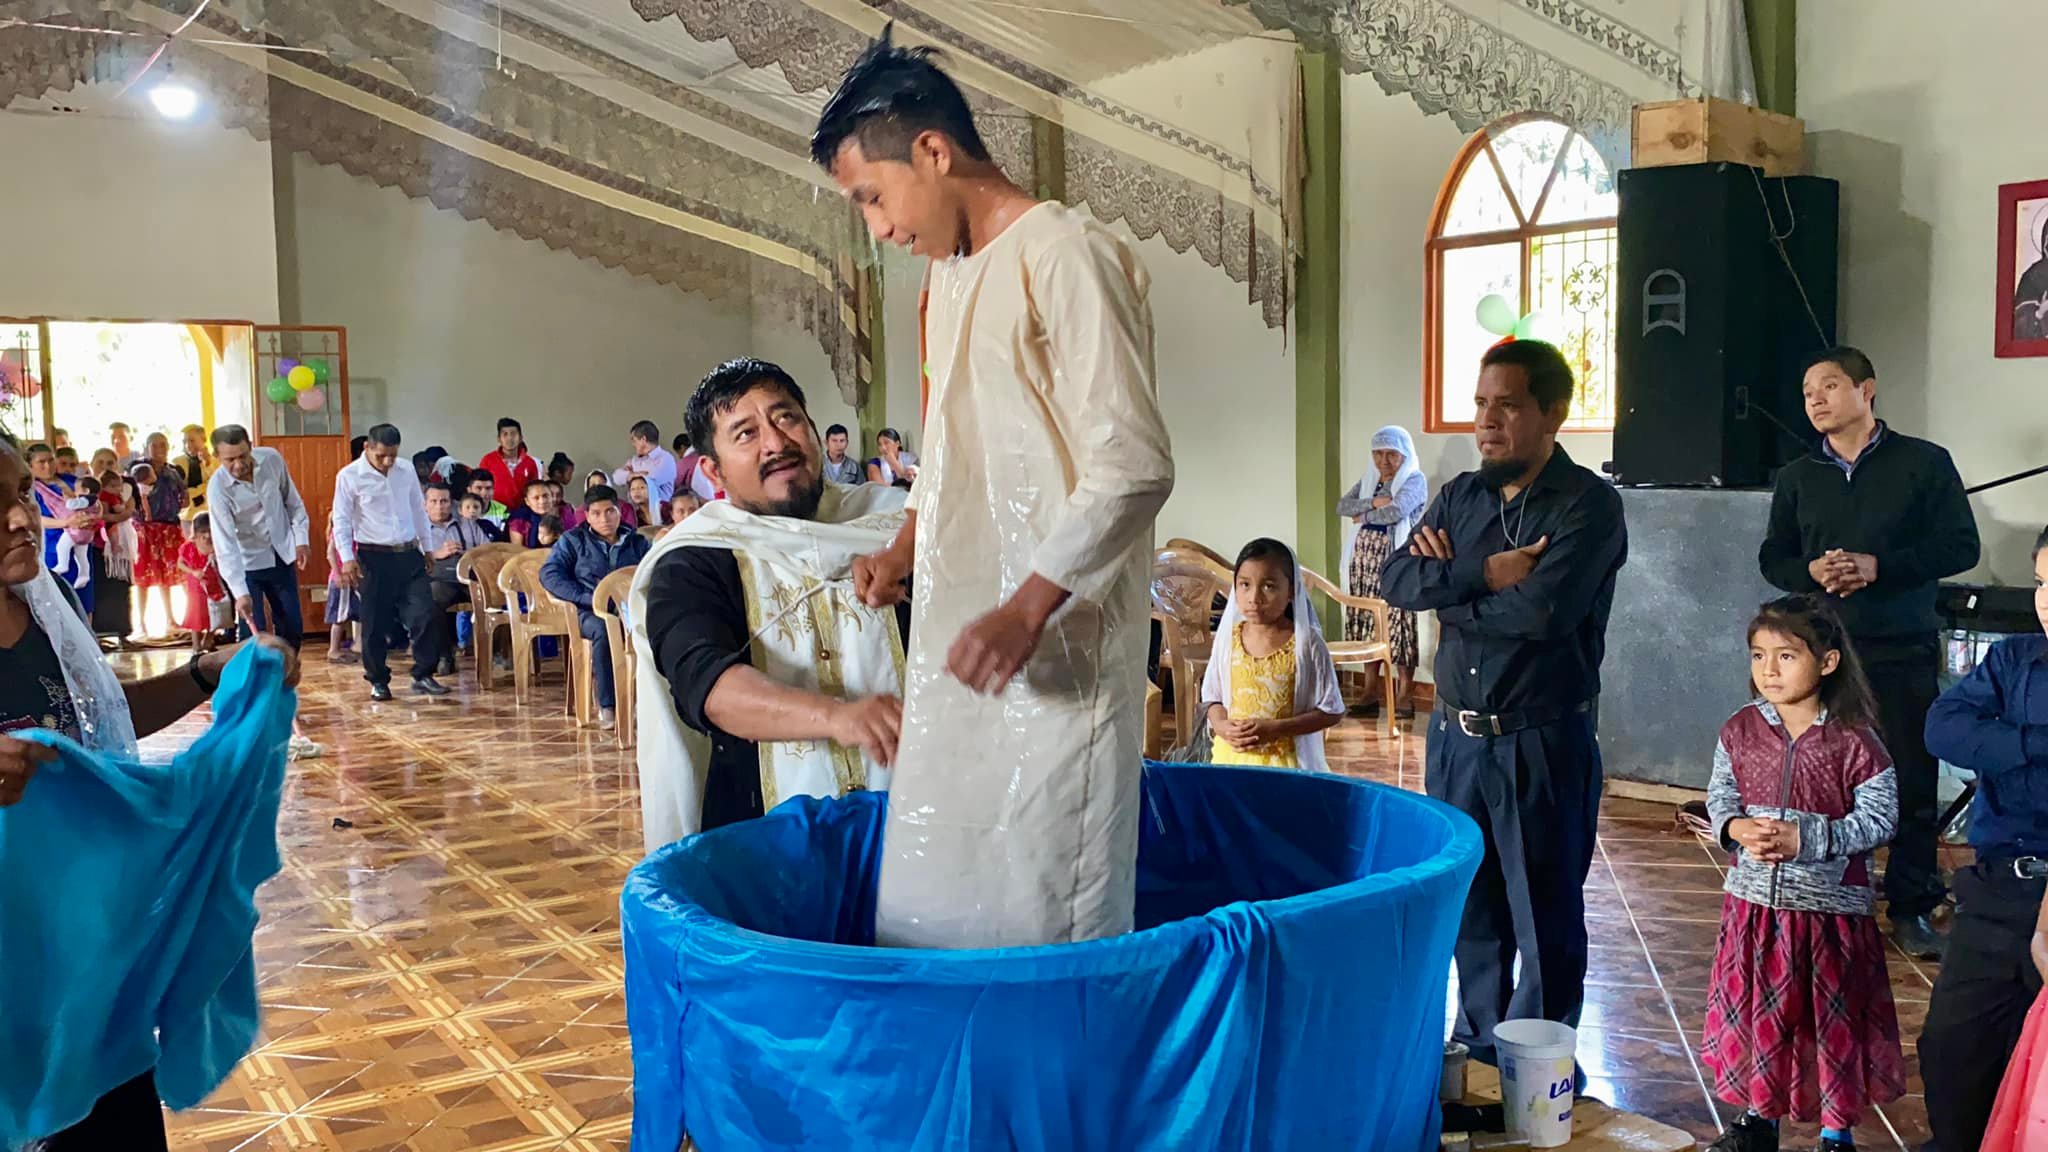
{"points": [[174, 101]]}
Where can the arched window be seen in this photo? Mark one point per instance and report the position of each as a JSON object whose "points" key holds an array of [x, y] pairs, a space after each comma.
{"points": [[1528, 213]]}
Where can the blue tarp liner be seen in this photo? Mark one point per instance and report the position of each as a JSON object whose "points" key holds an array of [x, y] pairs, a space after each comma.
{"points": [[1285, 989]]}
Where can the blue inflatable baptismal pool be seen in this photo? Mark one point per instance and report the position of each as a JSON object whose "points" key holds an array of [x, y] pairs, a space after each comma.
{"points": [[1285, 990]]}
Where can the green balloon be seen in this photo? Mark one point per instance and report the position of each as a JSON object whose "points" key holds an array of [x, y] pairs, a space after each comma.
{"points": [[279, 390], [1495, 314], [1536, 326], [320, 371]]}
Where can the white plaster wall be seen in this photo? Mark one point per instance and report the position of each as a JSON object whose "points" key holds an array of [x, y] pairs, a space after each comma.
{"points": [[902, 276], [122, 215], [1226, 388], [1921, 111], [453, 324]]}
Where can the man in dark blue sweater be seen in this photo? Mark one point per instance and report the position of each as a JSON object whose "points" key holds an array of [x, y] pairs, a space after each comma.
{"points": [[1875, 519], [585, 555], [1995, 723]]}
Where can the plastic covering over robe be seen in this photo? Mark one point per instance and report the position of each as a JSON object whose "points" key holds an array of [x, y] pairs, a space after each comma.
{"points": [[1310, 1018], [137, 953], [1013, 818]]}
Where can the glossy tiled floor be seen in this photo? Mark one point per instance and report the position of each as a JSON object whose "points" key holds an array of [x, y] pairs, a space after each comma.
{"points": [[445, 973]]}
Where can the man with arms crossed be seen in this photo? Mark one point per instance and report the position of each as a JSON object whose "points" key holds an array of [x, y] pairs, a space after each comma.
{"points": [[1518, 560]]}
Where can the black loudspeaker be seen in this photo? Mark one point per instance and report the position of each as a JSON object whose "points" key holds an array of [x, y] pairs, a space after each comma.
{"points": [[1727, 284]]}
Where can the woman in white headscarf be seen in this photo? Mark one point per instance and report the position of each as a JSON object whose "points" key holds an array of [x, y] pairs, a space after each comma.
{"points": [[1386, 504]]}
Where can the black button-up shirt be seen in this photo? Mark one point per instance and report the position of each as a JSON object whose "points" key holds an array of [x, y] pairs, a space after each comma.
{"points": [[1539, 643]]}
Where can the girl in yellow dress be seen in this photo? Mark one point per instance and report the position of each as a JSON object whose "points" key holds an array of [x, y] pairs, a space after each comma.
{"points": [[1270, 689]]}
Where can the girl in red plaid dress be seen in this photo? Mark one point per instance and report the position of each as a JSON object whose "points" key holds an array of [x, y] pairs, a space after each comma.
{"points": [[1800, 1021]]}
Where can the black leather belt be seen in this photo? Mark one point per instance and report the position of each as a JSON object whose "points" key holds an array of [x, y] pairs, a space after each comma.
{"points": [[1485, 725], [406, 547], [2019, 867]]}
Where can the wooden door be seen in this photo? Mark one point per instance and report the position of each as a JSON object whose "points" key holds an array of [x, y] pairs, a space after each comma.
{"points": [[313, 441]]}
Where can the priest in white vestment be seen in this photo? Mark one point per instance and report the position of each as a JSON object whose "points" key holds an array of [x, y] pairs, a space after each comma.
{"points": [[761, 675], [1013, 812]]}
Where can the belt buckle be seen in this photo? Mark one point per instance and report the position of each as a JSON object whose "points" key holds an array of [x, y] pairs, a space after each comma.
{"points": [[1465, 719], [2020, 868]]}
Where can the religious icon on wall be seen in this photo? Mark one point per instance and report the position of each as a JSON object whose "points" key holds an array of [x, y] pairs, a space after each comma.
{"points": [[2022, 270]]}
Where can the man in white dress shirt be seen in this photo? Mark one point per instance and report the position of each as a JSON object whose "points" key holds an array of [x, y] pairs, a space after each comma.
{"points": [[651, 460], [260, 532], [380, 520]]}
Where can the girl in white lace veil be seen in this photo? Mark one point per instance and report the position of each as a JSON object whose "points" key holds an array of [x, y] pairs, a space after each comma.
{"points": [[1291, 706]]}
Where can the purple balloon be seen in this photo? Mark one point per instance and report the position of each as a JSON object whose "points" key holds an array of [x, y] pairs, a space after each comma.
{"points": [[285, 364]]}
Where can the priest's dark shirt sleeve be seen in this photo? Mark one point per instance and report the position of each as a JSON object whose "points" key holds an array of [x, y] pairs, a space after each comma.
{"points": [[1556, 598]]}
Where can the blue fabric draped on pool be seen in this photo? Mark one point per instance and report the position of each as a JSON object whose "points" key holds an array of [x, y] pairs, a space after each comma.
{"points": [[1285, 989]]}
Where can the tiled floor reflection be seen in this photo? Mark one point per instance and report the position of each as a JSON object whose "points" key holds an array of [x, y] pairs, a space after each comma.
{"points": [[444, 974]]}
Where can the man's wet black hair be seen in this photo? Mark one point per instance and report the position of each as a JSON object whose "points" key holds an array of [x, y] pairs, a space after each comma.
{"points": [[887, 100]]}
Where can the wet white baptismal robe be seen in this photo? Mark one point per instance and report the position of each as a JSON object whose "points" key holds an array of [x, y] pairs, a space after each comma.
{"points": [[1013, 818]]}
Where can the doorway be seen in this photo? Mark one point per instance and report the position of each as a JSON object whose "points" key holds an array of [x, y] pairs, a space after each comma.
{"points": [[150, 377], [74, 379], [116, 385]]}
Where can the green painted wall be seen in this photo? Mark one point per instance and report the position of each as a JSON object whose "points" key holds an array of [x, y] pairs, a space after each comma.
{"points": [[1318, 376], [1774, 52]]}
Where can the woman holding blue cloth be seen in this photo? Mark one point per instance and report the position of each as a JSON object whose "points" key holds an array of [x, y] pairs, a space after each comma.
{"points": [[53, 677]]}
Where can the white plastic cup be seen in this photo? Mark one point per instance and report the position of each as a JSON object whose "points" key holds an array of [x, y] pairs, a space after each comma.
{"points": [[1536, 1074]]}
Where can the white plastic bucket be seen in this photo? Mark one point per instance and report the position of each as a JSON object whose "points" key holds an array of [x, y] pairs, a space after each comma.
{"points": [[1536, 1079]]}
